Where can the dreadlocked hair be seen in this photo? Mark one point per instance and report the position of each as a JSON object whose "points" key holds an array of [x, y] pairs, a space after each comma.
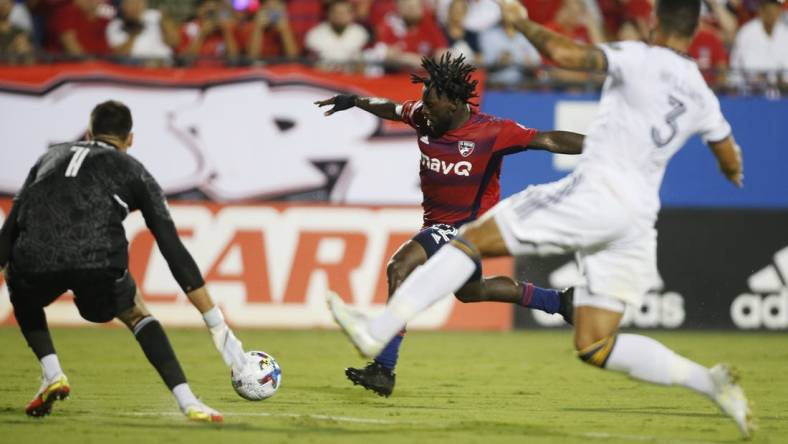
{"points": [[450, 76]]}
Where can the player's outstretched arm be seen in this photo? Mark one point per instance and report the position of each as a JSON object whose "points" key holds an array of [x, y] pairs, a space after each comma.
{"points": [[149, 198], [565, 52], [561, 142], [383, 108], [728, 156], [224, 340]]}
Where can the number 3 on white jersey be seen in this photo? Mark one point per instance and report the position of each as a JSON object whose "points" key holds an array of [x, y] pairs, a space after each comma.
{"points": [[678, 108], [76, 160]]}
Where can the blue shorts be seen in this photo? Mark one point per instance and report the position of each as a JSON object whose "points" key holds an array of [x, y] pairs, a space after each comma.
{"points": [[434, 237]]}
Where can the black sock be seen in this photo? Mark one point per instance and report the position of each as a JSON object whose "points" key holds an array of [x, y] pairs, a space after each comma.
{"points": [[158, 350], [33, 323]]}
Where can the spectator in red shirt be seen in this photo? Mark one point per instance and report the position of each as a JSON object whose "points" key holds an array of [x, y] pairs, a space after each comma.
{"points": [[210, 34], [639, 11], [409, 34], [723, 20], [305, 15], [576, 22], [268, 34], [616, 13], [79, 29], [709, 52], [370, 13], [542, 11], [718, 27]]}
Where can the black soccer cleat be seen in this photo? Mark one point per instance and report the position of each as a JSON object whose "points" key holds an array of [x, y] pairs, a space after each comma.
{"points": [[373, 377], [567, 306]]}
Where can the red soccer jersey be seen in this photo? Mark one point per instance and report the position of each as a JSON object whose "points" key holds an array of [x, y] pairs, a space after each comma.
{"points": [[460, 170]]}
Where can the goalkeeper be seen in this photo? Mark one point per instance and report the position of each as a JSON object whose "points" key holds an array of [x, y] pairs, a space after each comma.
{"points": [[65, 232]]}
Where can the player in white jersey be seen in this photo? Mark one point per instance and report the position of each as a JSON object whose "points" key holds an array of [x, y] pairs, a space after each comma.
{"points": [[654, 98]]}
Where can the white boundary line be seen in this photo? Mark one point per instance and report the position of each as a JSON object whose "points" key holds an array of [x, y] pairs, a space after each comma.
{"points": [[356, 420], [284, 415], [642, 438]]}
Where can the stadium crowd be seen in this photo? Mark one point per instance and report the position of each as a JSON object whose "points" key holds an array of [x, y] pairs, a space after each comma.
{"points": [[738, 41]]}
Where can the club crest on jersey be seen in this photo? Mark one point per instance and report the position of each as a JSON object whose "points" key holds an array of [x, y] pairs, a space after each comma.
{"points": [[466, 147]]}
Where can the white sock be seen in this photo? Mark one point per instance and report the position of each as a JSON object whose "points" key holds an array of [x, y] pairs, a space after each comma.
{"points": [[648, 360], [443, 274], [184, 396], [50, 367], [213, 318]]}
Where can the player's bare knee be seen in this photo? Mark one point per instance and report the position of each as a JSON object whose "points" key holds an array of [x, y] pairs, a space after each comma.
{"points": [[132, 316], [596, 353], [466, 246], [472, 234]]}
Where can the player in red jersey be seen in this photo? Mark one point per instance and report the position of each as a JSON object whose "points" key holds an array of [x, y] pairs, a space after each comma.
{"points": [[461, 154]]}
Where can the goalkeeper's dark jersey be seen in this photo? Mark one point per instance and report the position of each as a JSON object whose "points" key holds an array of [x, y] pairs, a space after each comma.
{"points": [[69, 214]]}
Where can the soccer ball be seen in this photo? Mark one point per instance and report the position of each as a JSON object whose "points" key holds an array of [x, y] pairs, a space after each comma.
{"points": [[259, 379]]}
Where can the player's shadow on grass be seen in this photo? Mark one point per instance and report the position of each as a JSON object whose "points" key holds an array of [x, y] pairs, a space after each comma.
{"points": [[659, 410], [303, 426], [652, 410]]}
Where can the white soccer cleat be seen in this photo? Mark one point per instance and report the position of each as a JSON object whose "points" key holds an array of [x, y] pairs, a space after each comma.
{"points": [[731, 399], [354, 325], [203, 413]]}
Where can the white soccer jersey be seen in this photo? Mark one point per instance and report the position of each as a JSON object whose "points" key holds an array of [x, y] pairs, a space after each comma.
{"points": [[653, 100]]}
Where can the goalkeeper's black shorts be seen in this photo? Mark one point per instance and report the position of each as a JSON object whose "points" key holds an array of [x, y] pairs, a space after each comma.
{"points": [[100, 294]]}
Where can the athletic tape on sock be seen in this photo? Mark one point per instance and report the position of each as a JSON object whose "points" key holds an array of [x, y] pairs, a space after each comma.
{"points": [[142, 323], [597, 353], [213, 317]]}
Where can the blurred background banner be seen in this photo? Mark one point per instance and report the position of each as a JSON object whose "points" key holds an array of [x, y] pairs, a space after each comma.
{"points": [[270, 266], [224, 134], [691, 180], [230, 134], [720, 269]]}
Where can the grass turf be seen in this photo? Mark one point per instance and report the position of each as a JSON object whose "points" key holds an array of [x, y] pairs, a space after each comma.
{"points": [[451, 387]]}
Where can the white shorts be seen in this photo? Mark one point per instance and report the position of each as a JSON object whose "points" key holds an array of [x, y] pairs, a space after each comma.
{"points": [[616, 250]]}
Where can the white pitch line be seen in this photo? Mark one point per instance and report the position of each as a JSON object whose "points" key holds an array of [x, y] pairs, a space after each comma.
{"points": [[602, 435], [352, 419], [643, 438], [284, 415]]}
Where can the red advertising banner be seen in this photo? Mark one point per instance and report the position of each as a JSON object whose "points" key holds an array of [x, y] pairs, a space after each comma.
{"points": [[269, 266]]}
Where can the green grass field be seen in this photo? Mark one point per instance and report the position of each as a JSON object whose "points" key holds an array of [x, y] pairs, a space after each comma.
{"points": [[451, 387]]}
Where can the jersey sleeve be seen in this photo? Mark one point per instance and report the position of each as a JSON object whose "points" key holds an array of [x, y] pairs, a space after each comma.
{"points": [[10, 229], [513, 135], [713, 127], [149, 198], [8, 235], [411, 113], [622, 58]]}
